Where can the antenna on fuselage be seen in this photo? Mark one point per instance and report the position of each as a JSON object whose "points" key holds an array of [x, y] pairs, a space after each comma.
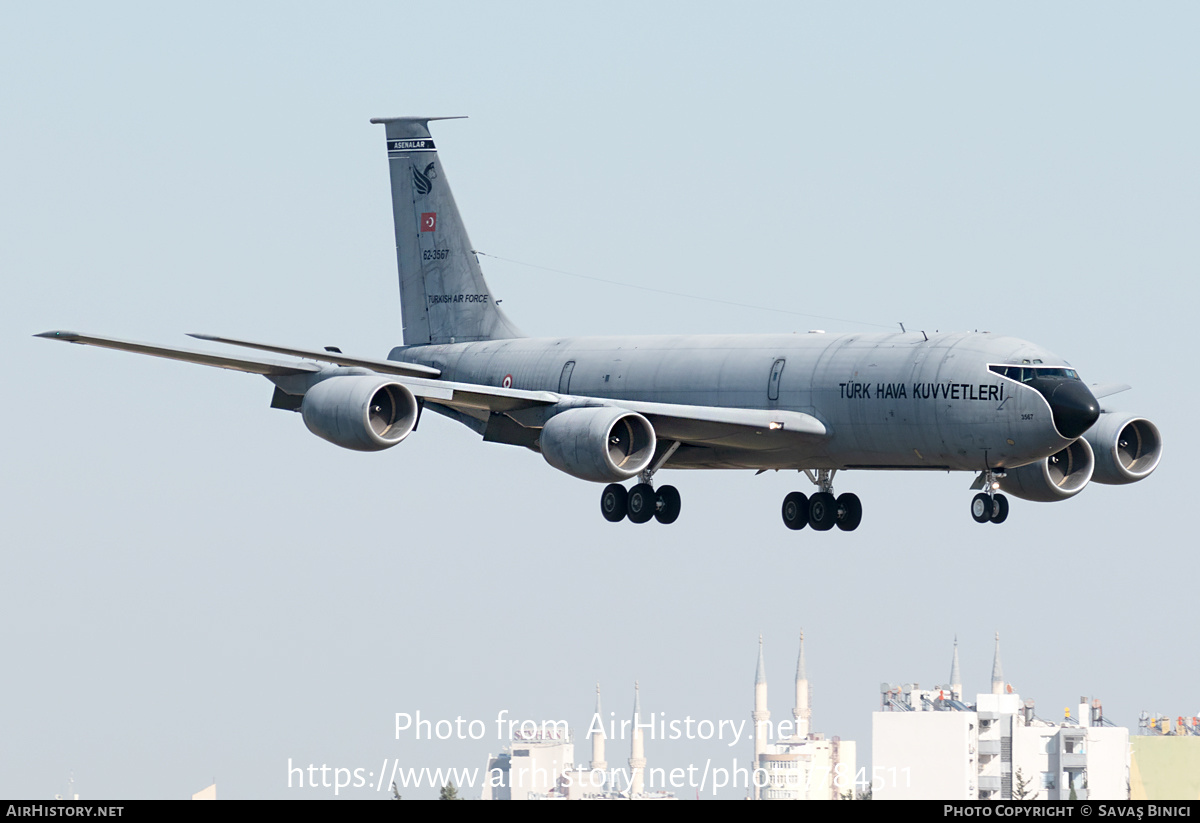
{"points": [[902, 329]]}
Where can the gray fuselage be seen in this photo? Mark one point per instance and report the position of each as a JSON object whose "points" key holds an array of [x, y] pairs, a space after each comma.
{"points": [[888, 401]]}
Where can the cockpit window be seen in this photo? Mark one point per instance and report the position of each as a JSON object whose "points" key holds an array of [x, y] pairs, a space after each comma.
{"points": [[1024, 374]]}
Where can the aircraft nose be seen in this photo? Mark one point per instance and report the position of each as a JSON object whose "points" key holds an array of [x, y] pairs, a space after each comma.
{"points": [[1074, 406]]}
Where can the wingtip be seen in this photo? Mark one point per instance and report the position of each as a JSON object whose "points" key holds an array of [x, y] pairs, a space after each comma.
{"points": [[58, 335]]}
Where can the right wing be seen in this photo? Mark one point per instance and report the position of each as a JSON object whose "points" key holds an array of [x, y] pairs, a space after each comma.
{"points": [[1105, 389], [267, 368]]}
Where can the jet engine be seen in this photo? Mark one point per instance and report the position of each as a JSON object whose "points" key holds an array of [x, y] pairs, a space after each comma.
{"points": [[363, 413], [602, 444], [1057, 477], [1127, 448]]}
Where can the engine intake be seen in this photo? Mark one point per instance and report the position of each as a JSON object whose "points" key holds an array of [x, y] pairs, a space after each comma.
{"points": [[1057, 477], [602, 444], [363, 413], [1127, 448]]}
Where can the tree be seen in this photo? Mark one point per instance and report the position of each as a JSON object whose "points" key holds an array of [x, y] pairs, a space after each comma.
{"points": [[1021, 790], [449, 792]]}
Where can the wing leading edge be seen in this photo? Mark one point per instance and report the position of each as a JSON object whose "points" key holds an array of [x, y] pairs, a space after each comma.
{"points": [[327, 356], [267, 368]]}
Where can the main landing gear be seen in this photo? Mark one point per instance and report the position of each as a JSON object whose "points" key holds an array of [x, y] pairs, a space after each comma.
{"points": [[640, 504], [822, 511], [989, 506]]}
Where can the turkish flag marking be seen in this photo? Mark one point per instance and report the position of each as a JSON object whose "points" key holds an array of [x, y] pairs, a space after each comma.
{"points": [[429, 221]]}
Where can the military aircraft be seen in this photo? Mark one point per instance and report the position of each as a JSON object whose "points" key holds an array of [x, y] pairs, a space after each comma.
{"points": [[610, 409]]}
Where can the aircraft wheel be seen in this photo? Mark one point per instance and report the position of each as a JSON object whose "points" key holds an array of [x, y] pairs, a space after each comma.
{"points": [[795, 511], [642, 503], [614, 502], [849, 512], [981, 508], [999, 508], [668, 505], [822, 511]]}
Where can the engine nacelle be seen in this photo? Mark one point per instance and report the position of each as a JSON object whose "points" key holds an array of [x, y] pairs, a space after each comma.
{"points": [[1127, 448], [363, 413], [602, 444], [1057, 477]]}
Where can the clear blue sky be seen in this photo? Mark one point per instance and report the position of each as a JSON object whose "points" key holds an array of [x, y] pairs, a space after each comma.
{"points": [[195, 587]]}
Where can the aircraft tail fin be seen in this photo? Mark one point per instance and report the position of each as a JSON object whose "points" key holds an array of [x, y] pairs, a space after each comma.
{"points": [[443, 296]]}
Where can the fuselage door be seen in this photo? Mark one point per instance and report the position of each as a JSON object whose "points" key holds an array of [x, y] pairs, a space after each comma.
{"points": [[773, 383], [564, 379]]}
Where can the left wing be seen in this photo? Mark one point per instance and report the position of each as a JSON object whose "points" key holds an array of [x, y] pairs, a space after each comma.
{"points": [[267, 368], [528, 410], [686, 423], [328, 356]]}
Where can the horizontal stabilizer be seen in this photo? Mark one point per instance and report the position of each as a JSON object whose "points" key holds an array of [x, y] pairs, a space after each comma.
{"points": [[381, 366], [385, 120], [269, 368]]}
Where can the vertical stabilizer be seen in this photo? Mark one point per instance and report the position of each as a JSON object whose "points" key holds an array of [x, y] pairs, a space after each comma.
{"points": [[443, 296]]}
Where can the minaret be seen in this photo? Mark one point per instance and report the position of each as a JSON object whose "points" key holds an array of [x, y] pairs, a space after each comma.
{"points": [[761, 715], [598, 762], [955, 675], [997, 672], [803, 711], [637, 753]]}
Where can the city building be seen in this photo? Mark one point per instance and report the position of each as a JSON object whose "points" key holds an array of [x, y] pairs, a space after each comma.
{"points": [[800, 764], [1165, 759], [930, 745], [539, 764]]}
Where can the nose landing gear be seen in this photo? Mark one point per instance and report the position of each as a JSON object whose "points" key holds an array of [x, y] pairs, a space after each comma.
{"points": [[989, 505]]}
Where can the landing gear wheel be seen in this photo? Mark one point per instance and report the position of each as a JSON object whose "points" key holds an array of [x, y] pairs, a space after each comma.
{"points": [[614, 502], [981, 508], [822, 511], [642, 503], [668, 504], [795, 511], [849, 512], [999, 508]]}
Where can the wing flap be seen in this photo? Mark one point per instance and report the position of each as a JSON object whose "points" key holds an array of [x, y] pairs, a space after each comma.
{"points": [[695, 423]]}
